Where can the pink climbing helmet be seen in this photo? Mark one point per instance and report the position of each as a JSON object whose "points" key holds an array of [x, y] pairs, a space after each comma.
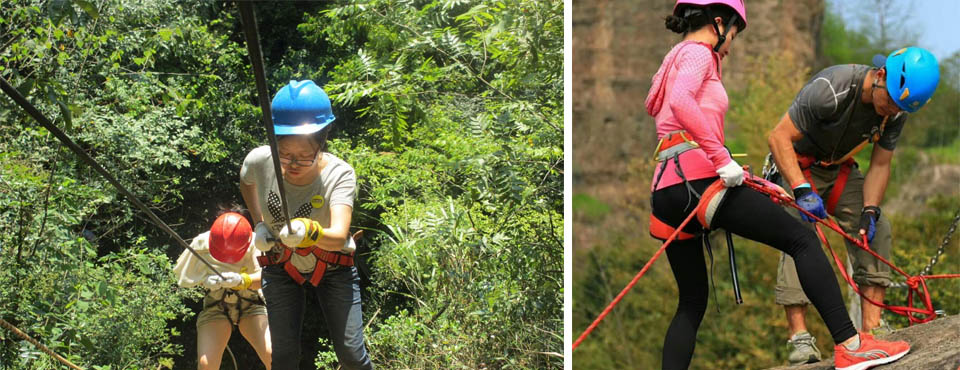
{"points": [[736, 5]]}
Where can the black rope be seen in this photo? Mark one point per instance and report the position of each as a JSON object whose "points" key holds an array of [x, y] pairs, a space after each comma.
{"points": [[249, 20], [40, 118]]}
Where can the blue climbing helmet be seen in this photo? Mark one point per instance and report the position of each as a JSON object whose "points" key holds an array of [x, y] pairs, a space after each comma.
{"points": [[300, 108], [912, 76]]}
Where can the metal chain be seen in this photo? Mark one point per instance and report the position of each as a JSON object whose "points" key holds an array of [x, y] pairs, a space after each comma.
{"points": [[943, 245], [936, 257]]}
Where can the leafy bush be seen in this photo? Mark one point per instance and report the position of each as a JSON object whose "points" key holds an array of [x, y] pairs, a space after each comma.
{"points": [[450, 111]]}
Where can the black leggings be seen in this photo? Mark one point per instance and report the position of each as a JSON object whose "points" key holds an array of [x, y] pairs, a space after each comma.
{"points": [[754, 216]]}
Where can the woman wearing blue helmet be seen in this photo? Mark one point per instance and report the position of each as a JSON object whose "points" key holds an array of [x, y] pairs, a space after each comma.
{"points": [[315, 253]]}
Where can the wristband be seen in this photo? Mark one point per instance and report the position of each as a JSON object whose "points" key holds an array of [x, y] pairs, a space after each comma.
{"points": [[801, 190], [246, 282], [873, 209]]}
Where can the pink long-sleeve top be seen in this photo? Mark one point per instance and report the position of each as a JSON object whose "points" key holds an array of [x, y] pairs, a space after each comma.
{"points": [[687, 94]]}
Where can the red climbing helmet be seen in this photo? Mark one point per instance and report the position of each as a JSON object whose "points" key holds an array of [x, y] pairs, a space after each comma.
{"points": [[230, 237]]}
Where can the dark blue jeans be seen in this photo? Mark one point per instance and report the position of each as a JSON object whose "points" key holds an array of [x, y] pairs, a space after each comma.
{"points": [[339, 297]]}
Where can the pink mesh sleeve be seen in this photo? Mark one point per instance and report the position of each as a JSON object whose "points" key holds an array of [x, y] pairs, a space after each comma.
{"points": [[693, 67]]}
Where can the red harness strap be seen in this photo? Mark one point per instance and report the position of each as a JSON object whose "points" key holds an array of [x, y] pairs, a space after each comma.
{"points": [[710, 202], [838, 185], [323, 258], [661, 230]]}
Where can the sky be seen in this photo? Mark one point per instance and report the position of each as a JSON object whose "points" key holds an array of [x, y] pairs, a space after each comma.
{"points": [[936, 21]]}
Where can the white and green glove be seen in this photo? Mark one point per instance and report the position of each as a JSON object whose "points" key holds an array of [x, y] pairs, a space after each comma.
{"points": [[302, 233], [262, 237]]}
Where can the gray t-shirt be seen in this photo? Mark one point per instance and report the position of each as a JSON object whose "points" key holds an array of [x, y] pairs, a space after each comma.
{"points": [[336, 184], [833, 119]]}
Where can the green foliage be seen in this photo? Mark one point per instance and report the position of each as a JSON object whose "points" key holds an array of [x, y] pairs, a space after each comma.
{"points": [[840, 44], [757, 108], [593, 210], [753, 335], [462, 138], [450, 111], [460, 158]]}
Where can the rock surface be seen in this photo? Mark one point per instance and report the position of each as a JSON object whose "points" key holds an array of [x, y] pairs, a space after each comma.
{"points": [[934, 345]]}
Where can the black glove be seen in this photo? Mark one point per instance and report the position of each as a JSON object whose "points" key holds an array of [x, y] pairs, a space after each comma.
{"points": [[868, 221]]}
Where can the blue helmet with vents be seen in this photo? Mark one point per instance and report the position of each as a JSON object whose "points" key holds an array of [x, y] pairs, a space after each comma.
{"points": [[912, 76], [300, 108]]}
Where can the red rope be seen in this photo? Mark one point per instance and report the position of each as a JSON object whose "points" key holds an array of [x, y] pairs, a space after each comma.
{"points": [[915, 283], [634, 281]]}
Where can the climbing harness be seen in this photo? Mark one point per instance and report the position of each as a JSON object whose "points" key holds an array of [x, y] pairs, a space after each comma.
{"points": [[670, 147], [806, 162], [232, 302], [323, 257]]}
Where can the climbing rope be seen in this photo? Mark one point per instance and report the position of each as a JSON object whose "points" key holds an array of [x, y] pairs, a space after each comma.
{"points": [[46, 123], [917, 283], [42, 347], [635, 279], [249, 20]]}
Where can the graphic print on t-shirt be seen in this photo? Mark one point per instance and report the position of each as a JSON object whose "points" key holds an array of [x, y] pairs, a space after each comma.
{"points": [[273, 205]]}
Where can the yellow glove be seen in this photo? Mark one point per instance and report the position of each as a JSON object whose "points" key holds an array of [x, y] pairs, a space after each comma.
{"points": [[245, 283], [302, 233]]}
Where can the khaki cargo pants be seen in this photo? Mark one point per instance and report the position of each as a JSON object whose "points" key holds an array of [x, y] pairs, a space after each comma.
{"points": [[867, 270]]}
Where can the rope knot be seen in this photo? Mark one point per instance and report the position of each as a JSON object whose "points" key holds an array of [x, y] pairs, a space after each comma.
{"points": [[914, 282]]}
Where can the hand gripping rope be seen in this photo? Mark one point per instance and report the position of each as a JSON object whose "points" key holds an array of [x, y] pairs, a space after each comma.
{"points": [[915, 283]]}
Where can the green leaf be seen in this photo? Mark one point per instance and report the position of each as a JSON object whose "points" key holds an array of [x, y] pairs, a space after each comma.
{"points": [[26, 86], [165, 33], [88, 8]]}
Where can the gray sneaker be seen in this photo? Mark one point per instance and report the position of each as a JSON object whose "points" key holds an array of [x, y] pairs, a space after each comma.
{"points": [[803, 349], [882, 330]]}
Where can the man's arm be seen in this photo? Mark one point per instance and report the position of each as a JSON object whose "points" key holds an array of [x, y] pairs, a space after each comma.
{"points": [[875, 182], [781, 145]]}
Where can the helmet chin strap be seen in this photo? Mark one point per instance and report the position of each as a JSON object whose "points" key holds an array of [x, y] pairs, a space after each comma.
{"points": [[721, 38]]}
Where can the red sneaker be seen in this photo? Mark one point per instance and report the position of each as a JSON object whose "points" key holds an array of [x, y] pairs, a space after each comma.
{"points": [[871, 353]]}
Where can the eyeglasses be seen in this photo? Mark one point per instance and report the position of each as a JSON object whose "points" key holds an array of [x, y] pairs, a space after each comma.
{"points": [[285, 161]]}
